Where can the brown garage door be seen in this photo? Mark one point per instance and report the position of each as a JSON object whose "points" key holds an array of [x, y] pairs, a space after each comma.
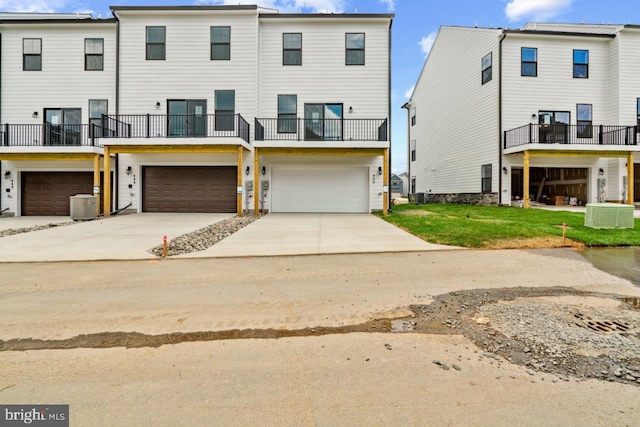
{"points": [[47, 193], [189, 188]]}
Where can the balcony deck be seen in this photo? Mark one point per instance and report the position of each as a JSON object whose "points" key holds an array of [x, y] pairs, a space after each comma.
{"points": [[571, 138], [171, 129], [329, 133], [48, 138]]}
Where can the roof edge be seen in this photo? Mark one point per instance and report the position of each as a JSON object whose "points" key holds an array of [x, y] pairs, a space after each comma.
{"points": [[186, 7], [560, 33], [328, 15]]}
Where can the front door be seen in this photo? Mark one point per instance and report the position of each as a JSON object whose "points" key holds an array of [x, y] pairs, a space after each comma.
{"points": [[554, 127], [187, 118]]}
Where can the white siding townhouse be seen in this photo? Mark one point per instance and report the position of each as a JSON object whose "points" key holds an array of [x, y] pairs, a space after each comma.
{"points": [[196, 109], [547, 113]]}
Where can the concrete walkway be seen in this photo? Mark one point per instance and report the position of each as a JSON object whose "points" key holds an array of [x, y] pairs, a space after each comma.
{"points": [[119, 238], [313, 234]]}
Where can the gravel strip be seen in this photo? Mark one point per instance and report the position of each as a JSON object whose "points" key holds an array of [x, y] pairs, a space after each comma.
{"points": [[206, 237], [14, 231]]}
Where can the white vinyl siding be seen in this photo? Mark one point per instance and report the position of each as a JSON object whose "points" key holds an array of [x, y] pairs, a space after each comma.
{"points": [[323, 77], [458, 127], [63, 81], [319, 189], [629, 76]]}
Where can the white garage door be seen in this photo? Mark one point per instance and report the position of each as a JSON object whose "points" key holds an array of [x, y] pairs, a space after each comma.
{"points": [[320, 189]]}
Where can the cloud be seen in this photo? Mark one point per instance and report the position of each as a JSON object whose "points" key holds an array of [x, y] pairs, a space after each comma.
{"points": [[391, 6], [427, 42], [539, 10], [292, 6], [409, 92], [33, 6]]}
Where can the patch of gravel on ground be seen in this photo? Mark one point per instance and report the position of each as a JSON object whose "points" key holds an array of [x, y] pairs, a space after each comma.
{"points": [[14, 231], [206, 237]]}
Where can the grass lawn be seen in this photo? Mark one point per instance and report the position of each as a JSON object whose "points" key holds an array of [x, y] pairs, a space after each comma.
{"points": [[504, 227]]}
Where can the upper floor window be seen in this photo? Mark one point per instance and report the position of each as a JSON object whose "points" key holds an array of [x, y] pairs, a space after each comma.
{"points": [[292, 49], [585, 120], [221, 43], [97, 108], [413, 150], [486, 178], [93, 54], [413, 116], [355, 48], [486, 68], [287, 113], [32, 54], [580, 64], [529, 62], [156, 42], [225, 104]]}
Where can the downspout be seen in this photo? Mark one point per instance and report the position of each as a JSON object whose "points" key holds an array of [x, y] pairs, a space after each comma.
{"points": [[407, 106], [500, 142], [389, 201], [117, 64]]}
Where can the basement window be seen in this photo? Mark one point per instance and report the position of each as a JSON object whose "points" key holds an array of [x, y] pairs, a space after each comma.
{"points": [[486, 178]]}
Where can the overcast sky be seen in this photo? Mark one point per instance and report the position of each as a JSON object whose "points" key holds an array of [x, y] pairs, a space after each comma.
{"points": [[414, 28]]}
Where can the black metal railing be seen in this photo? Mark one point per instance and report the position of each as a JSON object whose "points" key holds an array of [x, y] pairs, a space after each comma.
{"points": [[296, 129], [571, 134], [67, 135], [176, 126]]}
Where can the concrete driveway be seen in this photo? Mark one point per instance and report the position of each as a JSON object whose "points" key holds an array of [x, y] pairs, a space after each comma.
{"points": [[312, 234], [118, 238], [129, 237]]}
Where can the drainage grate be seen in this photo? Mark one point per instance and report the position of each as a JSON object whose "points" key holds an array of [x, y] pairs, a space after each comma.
{"points": [[587, 322]]}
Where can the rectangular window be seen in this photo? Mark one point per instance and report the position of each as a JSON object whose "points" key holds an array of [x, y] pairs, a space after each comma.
{"points": [[413, 185], [580, 64], [156, 41], [413, 150], [93, 54], [487, 68], [62, 126], [529, 62], [220, 43], [486, 178], [323, 122], [97, 107], [287, 113], [585, 121], [292, 49], [355, 48], [225, 104], [413, 116], [32, 54]]}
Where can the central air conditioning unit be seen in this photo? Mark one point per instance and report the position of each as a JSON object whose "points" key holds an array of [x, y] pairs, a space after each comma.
{"points": [[84, 207], [608, 215], [420, 198]]}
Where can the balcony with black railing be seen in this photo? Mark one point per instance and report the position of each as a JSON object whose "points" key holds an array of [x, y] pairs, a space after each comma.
{"points": [[296, 129], [176, 126], [49, 135], [581, 134]]}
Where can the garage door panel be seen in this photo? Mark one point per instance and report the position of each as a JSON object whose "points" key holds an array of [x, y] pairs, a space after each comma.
{"points": [[189, 189], [48, 193], [320, 189]]}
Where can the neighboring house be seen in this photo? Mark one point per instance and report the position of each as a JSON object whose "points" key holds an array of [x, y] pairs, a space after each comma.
{"points": [[405, 183], [547, 113], [205, 109], [397, 187]]}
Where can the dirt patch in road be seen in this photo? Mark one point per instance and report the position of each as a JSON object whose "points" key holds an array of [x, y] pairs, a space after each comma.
{"points": [[536, 243], [555, 330]]}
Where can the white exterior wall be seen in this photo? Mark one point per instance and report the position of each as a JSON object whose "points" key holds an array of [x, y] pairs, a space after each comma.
{"points": [[554, 89], [187, 71], [63, 82], [456, 129], [323, 76], [629, 75]]}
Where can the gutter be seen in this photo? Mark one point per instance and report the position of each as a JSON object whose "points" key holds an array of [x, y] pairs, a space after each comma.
{"points": [[500, 142]]}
